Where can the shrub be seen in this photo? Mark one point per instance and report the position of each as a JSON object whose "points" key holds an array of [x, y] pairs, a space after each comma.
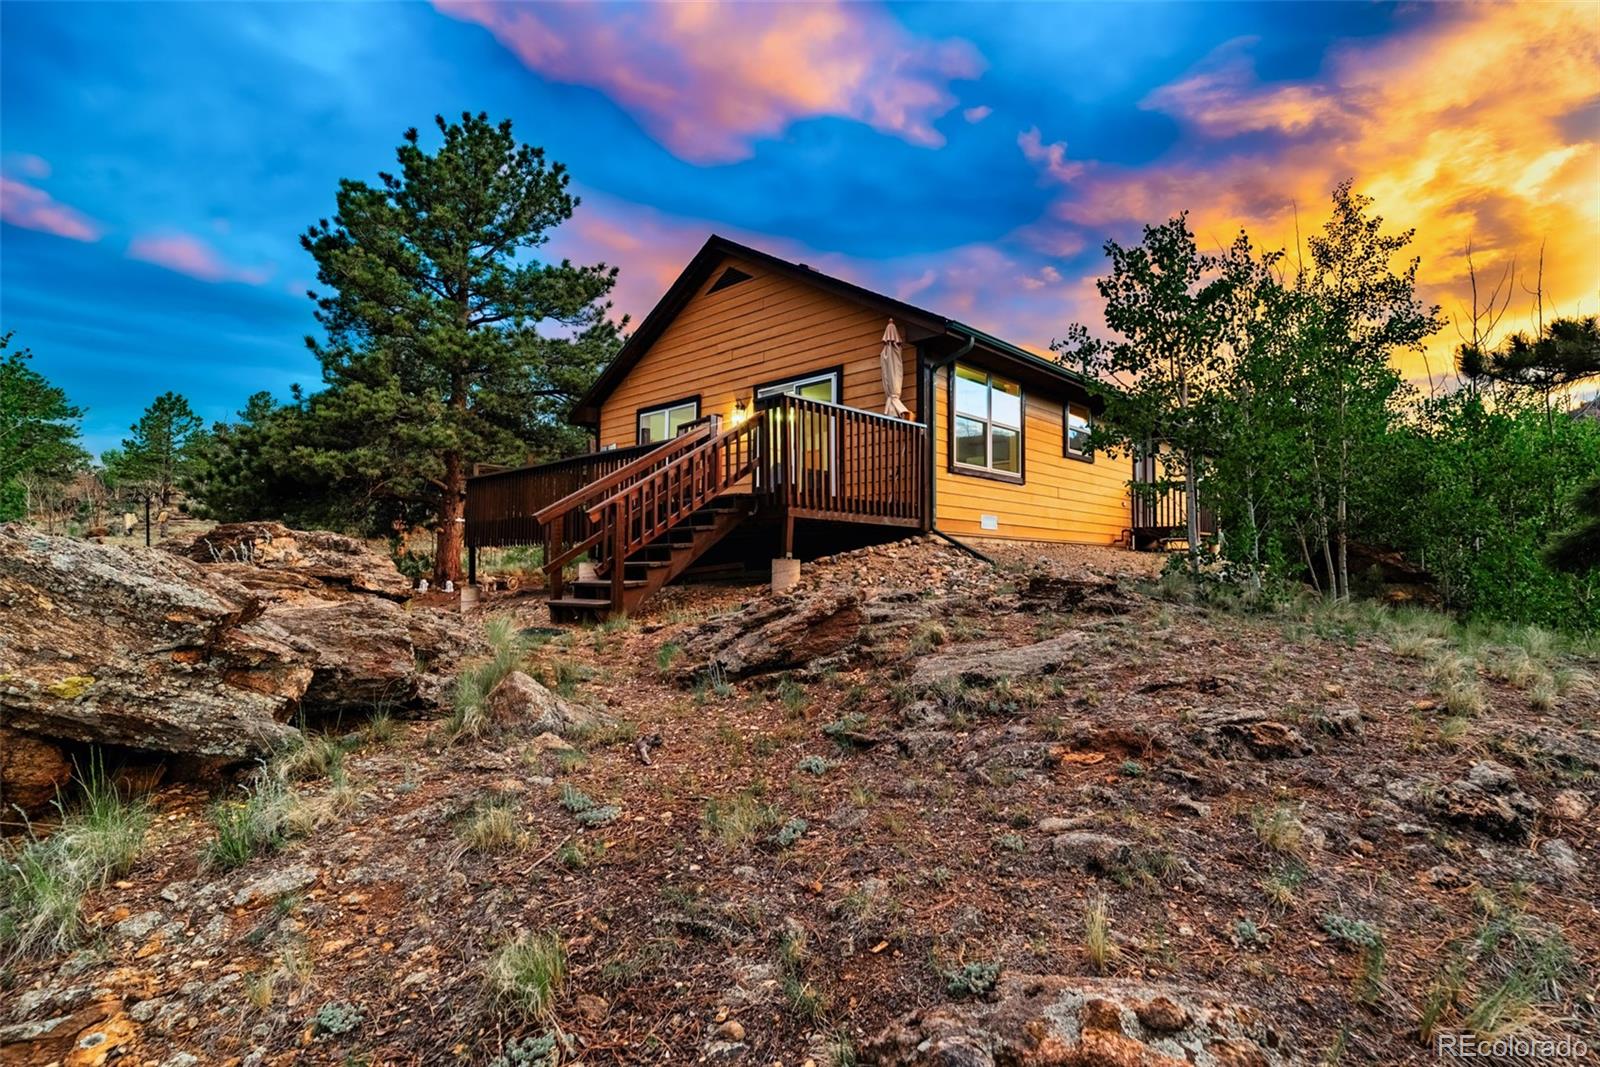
{"points": [[527, 973], [972, 979], [814, 765], [42, 881]]}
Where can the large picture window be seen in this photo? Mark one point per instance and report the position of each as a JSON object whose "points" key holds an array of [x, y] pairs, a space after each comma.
{"points": [[985, 424], [1079, 425], [663, 423]]}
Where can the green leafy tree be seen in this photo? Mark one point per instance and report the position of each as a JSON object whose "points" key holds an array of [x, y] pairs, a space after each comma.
{"points": [[1357, 314], [161, 451], [39, 432], [1577, 549], [448, 340], [1160, 374]]}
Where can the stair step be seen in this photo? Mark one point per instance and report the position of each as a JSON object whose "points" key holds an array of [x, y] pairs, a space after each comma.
{"points": [[582, 603], [604, 585]]}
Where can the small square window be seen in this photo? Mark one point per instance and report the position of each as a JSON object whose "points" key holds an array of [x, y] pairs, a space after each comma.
{"points": [[1079, 426]]}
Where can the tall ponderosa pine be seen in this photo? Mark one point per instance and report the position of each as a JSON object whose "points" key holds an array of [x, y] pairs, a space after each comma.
{"points": [[434, 358], [38, 430]]}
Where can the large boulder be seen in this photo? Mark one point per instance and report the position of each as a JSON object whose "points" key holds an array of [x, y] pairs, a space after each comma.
{"points": [[151, 650], [986, 662], [270, 556], [1056, 1021], [522, 702], [138, 647], [776, 634]]}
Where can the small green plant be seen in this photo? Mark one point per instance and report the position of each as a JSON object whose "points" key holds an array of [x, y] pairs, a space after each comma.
{"points": [[972, 979], [814, 765], [667, 655], [575, 800], [599, 815], [335, 1019], [1282, 886], [792, 695], [1357, 933], [1131, 768], [508, 650], [843, 730], [538, 1050], [527, 973], [1010, 843], [1248, 934], [790, 832]]}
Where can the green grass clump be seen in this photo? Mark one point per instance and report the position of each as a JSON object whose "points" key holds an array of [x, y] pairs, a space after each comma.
{"points": [[508, 650], [43, 880], [738, 820], [527, 973]]}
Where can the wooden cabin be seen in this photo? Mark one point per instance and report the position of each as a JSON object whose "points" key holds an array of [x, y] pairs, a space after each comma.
{"points": [[752, 406]]}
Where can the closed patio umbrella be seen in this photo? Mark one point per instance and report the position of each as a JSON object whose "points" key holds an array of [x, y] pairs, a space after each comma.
{"points": [[893, 371]]}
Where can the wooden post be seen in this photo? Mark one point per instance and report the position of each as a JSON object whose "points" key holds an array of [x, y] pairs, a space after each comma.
{"points": [[619, 513], [550, 546], [147, 520]]}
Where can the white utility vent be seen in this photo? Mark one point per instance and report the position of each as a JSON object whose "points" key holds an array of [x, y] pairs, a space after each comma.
{"points": [[989, 522]]}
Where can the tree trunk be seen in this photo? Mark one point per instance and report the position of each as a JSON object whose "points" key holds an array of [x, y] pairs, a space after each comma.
{"points": [[1191, 501], [452, 522]]}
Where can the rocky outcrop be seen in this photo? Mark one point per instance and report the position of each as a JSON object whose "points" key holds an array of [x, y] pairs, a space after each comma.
{"points": [[781, 633], [150, 650], [986, 662], [32, 771], [268, 556], [1055, 1021], [1232, 732], [1487, 799]]}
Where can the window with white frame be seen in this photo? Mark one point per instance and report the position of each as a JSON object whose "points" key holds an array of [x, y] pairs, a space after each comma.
{"points": [[986, 423], [663, 423], [1079, 425]]}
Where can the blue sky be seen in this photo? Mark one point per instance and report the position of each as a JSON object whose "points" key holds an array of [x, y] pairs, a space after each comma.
{"points": [[160, 160]]}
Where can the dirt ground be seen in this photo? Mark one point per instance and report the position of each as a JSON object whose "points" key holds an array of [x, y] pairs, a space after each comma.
{"points": [[1326, 871]]}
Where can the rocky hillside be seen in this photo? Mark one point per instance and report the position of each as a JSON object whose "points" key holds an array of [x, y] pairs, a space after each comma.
{"points": [[922, 811]]}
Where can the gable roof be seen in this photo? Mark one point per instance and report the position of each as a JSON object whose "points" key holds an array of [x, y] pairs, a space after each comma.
{"points": [[924, 324]]}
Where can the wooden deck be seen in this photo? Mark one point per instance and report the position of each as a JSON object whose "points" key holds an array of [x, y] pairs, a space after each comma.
{"points": [[645, 514]]}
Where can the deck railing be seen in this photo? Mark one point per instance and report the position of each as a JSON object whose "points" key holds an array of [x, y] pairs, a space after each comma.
{"points": [[828, 461], [1160, 508], [502, 504]]}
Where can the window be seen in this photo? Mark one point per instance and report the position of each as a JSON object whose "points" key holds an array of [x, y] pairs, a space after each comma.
{"points": [[663, 423], [986, 423], [1079, 424], [815, 387]]}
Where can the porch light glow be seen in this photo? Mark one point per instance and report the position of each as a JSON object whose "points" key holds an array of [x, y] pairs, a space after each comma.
{"points": [[741, 411]]}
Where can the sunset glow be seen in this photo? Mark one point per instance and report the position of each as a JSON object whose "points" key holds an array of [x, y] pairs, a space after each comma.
{"points": [[160, 162]]}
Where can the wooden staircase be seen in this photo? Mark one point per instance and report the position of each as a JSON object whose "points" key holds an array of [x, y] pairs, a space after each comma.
{"points": [[648, 521]]}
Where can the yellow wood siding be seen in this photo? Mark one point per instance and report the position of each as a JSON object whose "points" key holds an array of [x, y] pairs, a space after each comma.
{"points": [[1061, 499], [723, 344]]}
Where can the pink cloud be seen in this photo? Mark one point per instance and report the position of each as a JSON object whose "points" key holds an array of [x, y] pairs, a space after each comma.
{"points": [[192, 256], [977, 114], [1223, 98], [1050, 158], [708, 79], [32, 208]]}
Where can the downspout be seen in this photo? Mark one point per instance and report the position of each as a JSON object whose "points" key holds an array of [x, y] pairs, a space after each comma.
{"points": [[931, 407]]}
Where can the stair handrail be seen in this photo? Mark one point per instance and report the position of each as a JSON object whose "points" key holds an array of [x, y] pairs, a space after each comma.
{"points": [[616, 527], [573, 500], [550, 516]]}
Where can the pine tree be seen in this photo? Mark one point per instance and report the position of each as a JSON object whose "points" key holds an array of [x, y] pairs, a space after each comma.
{"points": [[434, 356], [161, 450], [38, 431]]}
